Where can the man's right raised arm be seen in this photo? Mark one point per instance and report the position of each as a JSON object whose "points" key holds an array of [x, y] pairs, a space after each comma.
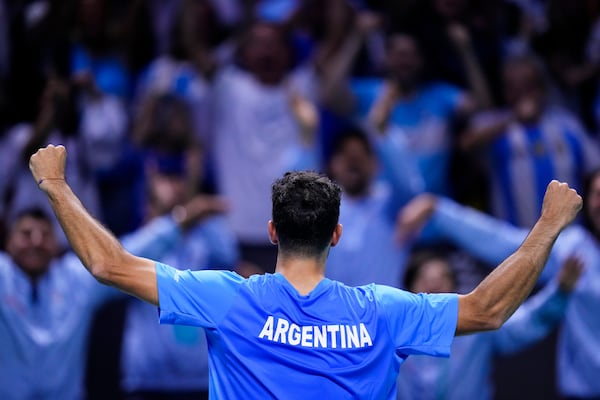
{"points": [[99, 251], [497, 297]]}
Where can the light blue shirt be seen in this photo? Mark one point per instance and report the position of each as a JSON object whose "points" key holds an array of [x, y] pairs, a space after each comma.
{"points": [[175, 358], [367, 252], [338, 342], [109, 72], [493, 240], [467, 374], [525, 158], [44, 342], [423, 121]]}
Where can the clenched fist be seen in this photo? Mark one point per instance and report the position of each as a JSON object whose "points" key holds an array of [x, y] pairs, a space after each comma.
{"points": [[48, 164], [561, 204]]}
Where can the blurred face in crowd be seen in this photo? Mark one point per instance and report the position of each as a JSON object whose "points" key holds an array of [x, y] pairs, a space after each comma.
{"points": [[266, 53], [168, 124], [165, 191], [32, 245], [523, 82], [434, 276], [353, 166], [592, 200], [404, 60]]}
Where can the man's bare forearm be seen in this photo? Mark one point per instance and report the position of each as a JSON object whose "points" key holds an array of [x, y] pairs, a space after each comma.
{"points": [[497, 297], [88, 238], [507, 286], [99, 251]]}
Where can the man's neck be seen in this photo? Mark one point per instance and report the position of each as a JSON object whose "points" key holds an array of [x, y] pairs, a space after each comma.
{"points": [[303, 273]]}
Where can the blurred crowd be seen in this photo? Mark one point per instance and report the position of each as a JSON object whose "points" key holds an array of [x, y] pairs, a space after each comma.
{"points": [[442, 120]]}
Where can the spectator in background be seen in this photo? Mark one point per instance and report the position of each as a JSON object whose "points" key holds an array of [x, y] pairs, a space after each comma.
{"points": [[264, 125], [467, 374], [420, 111], [490, 239], [95, 59], [435, 23], [171, 362], [164, 132], [340, 40], [197, 47], [377, 178], [44, 323], [171, 106], [106, 51], [57, 122], [107, 151], [529, 143]]}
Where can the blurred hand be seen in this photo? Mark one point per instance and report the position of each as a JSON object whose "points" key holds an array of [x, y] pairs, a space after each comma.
{"points": [[412, 217], [379, 113], [561, 204], [198, 208], [367, 22], [391, 92], [569, 274], [306, 115], [459, 35], [55, 93], [48, 164]]}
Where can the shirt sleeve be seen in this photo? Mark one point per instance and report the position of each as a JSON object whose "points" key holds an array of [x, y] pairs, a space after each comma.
{"points": [[195, 298], [399, 169], [153, 240], [365, 93], [450, 96], [586, 150], [419, 323], [489, 239], [533, 321]]}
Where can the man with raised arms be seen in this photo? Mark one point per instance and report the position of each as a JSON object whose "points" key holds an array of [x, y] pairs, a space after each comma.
{"points": [[246, 359]]}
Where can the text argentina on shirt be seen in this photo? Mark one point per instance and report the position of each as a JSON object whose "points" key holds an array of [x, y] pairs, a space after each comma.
{"points": [[316, 336]]}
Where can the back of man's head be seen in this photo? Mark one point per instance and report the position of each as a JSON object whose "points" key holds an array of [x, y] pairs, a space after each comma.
{"points": [[306, 208]]}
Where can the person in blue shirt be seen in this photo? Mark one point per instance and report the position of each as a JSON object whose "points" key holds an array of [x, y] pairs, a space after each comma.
{"points": [[421, 111], [467, 374], [375, 183], [524, 145], [490, 239], [47, 304], [294, 333]]}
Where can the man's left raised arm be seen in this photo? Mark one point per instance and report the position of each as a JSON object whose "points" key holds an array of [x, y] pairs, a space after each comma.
{"points": [[497, 297], [99, 251]]}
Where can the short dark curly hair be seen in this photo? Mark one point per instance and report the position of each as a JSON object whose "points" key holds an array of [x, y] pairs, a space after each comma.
{"points": [[306, 209]]}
